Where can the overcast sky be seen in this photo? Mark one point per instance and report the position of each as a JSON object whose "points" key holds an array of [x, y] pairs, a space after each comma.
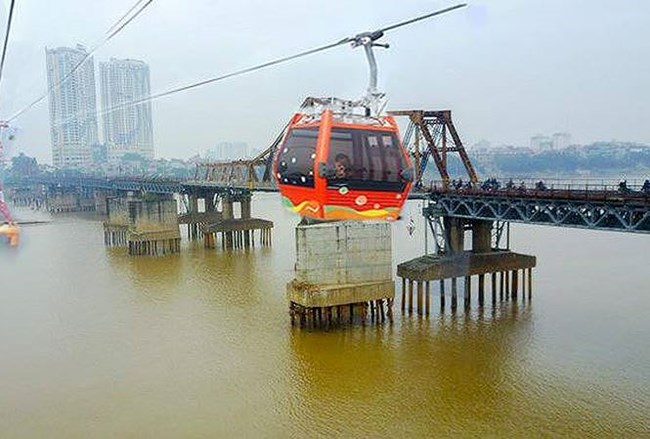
{"points": [[508, 69]]}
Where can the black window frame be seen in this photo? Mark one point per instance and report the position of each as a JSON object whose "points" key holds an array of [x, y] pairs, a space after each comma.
{"points": [[298, 174], [364, 176]]}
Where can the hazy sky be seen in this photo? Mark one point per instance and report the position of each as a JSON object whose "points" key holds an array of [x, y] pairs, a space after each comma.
{"points": [[508, 69]]}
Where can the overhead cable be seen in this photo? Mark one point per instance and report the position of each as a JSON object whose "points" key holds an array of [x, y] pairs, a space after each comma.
{"points": [[355, 39], [6, 41]]}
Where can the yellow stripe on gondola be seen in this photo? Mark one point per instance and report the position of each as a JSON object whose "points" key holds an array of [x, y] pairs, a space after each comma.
{"points": [[309, 205], [338, 212]]}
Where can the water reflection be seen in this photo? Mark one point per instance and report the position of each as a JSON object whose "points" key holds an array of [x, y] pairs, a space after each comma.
{"points": [[439, 367]]}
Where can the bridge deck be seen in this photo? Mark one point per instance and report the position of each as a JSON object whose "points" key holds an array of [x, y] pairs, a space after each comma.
{"points": [[432, 267], [597, 207], [591, 209]]}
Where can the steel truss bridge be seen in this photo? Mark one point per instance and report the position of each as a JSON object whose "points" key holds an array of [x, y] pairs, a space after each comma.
{"points": [[131, 184], [598, 208], [595, 207]]}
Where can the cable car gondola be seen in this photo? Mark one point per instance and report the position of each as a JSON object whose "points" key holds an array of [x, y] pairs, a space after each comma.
{"points": [[343, 159], [335, 164]]}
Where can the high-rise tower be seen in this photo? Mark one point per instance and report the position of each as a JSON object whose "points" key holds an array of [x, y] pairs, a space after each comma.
{"points": [[73, 106], [127, 129]]}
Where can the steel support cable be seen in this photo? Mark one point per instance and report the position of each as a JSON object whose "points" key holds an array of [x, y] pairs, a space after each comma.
{"points": [[115, 29], [2, 63], [126, 14], [6, 41], [376, 34]]}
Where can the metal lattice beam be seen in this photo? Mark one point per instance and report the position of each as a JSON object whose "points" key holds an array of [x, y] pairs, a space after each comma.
{"points": [[595, 215], [441, 137], [256, 173]]}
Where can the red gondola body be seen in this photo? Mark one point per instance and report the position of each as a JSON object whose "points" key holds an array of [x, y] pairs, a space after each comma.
{"points": [[308, 167]]}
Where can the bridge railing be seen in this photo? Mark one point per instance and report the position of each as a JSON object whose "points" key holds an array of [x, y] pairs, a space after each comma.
{"points": [[587, 190]]}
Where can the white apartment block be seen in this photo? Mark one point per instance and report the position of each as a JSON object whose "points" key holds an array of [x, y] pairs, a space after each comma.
{"points": [[127, 128], [72, 105]]}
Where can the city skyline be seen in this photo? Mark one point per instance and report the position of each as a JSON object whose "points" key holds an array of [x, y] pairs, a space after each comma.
{"points": [[506, 69], [74, 109]]}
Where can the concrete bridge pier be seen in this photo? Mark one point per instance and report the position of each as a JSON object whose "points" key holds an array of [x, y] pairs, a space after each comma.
{"points": [[209, 201], [228, 214], [154, 227], [101, 202], [116, 226], [60, 202], [343, 274], [502, 266], [455, 234], [481, 236], [237, 233], [145, 226], [27, 196], [195, 218], [192, 228], [246, 214], [69, 199]]}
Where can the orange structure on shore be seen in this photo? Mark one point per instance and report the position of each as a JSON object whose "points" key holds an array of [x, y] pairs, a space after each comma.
{"points": [[11, 232]]}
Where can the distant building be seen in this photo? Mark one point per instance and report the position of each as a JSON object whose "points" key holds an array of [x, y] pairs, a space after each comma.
{"points": [[72, 105], [24, 166], [127, 130], [541, 143], [481, 145], [561, 140], [228, 151]]}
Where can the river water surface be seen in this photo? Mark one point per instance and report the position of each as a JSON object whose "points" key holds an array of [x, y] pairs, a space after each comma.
{"points": [[94, 343]]}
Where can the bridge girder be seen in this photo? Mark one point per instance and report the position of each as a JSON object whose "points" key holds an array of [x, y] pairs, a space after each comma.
{"points": [[594, 215], [255, 173], [441, 137]]}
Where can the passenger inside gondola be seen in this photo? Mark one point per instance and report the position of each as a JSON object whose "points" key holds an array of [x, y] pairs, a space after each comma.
{"points": [[342, 166]]}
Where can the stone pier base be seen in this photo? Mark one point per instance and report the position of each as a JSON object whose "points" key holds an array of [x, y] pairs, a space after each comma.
{"points": [[342, 274], [153, 243], [237, 233], [145, 227], [115, 235], [327, 306], [498, 272], [69, 202]]}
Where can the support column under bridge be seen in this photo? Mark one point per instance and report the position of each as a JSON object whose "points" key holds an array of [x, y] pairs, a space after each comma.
{"points": [[145, 226], [236, 233], [69, 199], [343, 274], [507, 274], [196, 217]]}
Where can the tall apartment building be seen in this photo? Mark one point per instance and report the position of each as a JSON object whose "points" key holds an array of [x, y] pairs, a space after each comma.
{"points": [[72, 104], [126, 129]]}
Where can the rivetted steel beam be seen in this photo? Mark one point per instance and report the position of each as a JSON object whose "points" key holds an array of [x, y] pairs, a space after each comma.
{"points": [[599, 215]]}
